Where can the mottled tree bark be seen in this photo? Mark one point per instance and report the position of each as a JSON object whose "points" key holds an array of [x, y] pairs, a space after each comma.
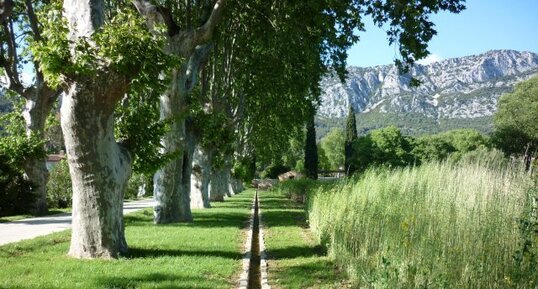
{"points": [[167, 181], [219, 185], [39, 98], [236, 186], [172, 182], [99, 166], [200, 178], [39, 101]]}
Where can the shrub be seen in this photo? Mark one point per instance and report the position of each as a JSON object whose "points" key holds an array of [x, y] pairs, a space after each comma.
{"points": [[297, 190], [272, 171], [15, 192], [136, 181], [59, 187]]}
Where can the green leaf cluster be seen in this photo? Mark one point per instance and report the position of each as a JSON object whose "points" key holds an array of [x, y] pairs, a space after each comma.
{"points": [[123, 44], [388, 147], [516, 120], [15, 144], [333, 145]]}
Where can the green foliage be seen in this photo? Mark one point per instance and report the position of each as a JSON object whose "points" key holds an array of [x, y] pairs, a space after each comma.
{"points": [[136, 181], [59, 187], [216, 133], [388, 147], [333, 145], [382, 147], [293, 155], [454, 142], [53, 52], [15, 191], [323, 161], [123, 44], [272, 171], [140, 130], [439, 225], [516, 120], [244, 169], [297, 189], [310, 151], [14, 143]]}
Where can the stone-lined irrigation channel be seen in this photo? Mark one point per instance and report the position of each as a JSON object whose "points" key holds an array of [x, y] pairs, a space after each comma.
{"points": [[254, 275]]}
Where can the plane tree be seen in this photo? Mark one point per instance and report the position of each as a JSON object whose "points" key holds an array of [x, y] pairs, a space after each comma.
{"points": [[21, 26], [97, 55]]}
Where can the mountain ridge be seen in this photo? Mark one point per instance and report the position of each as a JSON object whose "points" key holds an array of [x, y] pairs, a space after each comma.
{"points": [[455, 88]]}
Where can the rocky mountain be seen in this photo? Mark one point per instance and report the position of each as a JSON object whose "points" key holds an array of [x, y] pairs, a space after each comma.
{"points": [[457, 88]]}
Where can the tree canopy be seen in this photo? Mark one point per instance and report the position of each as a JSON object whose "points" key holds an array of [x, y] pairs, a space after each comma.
{"points": [[516, 120]]}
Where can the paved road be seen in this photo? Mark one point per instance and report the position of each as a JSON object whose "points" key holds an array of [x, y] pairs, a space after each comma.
{"points": [[34, 227]]}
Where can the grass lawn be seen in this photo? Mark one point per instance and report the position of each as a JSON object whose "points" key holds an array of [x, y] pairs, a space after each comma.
{"points": [[202, 254], [295, 260]]}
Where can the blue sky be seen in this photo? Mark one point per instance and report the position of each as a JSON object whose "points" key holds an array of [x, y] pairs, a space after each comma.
{"points": [[484, 25]]}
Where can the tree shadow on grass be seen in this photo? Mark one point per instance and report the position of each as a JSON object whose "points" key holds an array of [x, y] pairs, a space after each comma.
{"points": [[136, 253], [283, 218], [297, 252], [206, 219], [310, 274], [171, 281]]}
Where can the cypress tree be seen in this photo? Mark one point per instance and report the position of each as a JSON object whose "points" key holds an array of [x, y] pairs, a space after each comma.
{"points": [[311, 150], [351, 137]]}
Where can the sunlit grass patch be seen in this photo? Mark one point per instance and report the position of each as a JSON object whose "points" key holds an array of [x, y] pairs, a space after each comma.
{"points": [[202, 254], [295, 259]]}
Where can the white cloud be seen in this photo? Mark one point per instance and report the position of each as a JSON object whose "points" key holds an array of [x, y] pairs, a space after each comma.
{"points": [[430, 59]]}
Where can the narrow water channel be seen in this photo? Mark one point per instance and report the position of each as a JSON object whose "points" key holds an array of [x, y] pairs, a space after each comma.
{"points": [[254, 277]]}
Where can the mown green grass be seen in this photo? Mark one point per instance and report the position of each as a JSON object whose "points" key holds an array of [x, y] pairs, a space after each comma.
{"points": [[439, 225], [295, 259], [202, 254]]}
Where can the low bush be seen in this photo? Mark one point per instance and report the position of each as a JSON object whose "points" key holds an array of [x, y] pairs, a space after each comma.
{"points": [[59, 188], [272, 171], [297, 189], [136, 183], [15, 192]]}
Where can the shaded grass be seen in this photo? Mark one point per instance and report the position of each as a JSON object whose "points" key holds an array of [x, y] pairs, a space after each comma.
{"points": [[202, 254], [295, 259]]}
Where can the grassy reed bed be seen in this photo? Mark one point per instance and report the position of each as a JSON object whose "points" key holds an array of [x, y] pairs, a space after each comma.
{"points": [[439, 225]]}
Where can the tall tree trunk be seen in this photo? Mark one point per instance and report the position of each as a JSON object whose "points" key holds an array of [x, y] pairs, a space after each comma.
{"points": [[99, 166], [168, 180], [200, 178], [236, 186], [191, 44], [228, 176], [172, 182], [219, 185], [99, 169], [39, 102]]}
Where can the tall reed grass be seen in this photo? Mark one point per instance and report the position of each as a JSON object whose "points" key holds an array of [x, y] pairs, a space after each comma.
{"points": [[440, 225]]}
